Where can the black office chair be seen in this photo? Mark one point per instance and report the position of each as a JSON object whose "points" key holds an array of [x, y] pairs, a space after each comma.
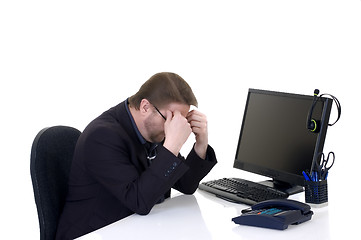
{"points": [[51, 157]]}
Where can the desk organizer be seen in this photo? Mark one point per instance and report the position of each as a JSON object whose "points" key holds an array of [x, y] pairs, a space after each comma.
{"points": [[316, 192]]}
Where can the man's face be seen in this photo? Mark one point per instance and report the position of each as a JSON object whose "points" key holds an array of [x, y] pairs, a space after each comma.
{"points": [[154, 123]]}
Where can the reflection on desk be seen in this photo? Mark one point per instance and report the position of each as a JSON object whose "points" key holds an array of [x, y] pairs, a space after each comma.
{"points": [[203, 216], [175, 218]]}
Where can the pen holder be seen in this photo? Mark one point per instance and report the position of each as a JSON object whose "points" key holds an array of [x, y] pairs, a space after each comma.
{"points": [[316, 192]]}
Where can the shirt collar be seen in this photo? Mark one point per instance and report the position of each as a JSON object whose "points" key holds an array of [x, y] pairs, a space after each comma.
{"points": [[140, 137]]}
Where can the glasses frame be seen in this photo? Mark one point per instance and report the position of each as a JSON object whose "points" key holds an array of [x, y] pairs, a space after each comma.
{"points": [[159, 112]]}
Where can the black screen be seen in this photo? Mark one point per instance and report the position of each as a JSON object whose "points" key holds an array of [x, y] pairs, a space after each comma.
{"points": [[274, 139]]}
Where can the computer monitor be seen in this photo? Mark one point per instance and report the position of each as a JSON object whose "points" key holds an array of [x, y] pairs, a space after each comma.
{"points": [[274, 139]]}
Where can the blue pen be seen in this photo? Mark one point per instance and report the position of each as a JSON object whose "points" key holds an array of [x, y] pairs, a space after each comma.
{"points": [[305, 175], [325, 175], [314, 176]]}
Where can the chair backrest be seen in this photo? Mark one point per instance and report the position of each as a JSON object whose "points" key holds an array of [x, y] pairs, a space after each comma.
{"points": [[51, 156]]}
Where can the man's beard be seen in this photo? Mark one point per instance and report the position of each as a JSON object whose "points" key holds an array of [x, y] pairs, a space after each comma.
{"points": [[154, 134]]}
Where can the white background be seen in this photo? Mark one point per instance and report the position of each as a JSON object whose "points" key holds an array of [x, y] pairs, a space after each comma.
{"points": [[65, 62]]}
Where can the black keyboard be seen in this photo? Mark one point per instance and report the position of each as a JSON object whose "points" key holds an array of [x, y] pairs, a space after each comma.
{"points": [[241, 191]]}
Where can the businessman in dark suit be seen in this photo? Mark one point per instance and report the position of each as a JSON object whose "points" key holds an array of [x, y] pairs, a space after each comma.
{"points": [[127, 159]]}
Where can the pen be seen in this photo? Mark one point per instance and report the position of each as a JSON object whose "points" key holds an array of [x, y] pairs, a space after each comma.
{"points": [[324, 174], [314, 176], [305, 175]]}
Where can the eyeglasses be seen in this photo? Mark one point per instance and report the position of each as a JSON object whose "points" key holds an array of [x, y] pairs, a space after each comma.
{"points": [[159, 112]]}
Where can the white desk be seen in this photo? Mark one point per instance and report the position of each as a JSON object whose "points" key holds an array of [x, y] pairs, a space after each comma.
{"points": [[204, 216]]}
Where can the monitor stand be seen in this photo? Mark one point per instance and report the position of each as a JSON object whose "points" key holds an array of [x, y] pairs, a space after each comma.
{"points": [[283, 186]]}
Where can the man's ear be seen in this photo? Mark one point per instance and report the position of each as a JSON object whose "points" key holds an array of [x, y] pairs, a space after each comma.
{"points": [[144, 107]]}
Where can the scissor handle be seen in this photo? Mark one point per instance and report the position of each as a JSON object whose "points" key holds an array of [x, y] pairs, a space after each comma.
{"points": [[321, 164], [328, 158]]}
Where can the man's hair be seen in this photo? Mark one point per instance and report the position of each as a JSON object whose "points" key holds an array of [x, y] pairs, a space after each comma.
{"points": [[162, 89]]}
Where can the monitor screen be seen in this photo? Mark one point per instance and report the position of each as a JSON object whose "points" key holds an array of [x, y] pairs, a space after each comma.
{"points": [[274, 139]]}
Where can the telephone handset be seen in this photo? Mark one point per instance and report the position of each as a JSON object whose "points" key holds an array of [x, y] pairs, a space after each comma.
{"points": [[275, 214]]}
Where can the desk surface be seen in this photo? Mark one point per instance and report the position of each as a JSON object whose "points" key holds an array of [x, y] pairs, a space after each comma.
{"points": [[204, 216]]}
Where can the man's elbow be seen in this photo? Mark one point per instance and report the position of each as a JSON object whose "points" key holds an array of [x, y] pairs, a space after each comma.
{"points": [[143, 210], [143, 213], [190, 190]]}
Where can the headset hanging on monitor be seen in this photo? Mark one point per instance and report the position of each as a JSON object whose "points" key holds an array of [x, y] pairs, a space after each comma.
{"points": [[314, 125]]}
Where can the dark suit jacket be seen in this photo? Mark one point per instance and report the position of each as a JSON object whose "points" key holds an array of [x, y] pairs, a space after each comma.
{"points": [[111, 178]]}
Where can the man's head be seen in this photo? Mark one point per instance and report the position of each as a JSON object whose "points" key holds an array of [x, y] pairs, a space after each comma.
{"points": [[162, 96], [162, 89]]}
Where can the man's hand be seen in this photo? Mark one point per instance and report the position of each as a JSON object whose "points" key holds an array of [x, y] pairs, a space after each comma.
{"points": [[176, 130], [199, 125]]}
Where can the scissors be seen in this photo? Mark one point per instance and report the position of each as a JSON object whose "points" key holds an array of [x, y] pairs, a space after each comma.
{"points": [[324, 165]]}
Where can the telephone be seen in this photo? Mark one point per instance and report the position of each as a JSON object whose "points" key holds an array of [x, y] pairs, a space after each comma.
{"points": [[275, 214]]}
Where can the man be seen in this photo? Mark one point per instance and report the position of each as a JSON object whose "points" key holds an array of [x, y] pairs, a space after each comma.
{"points": [[127, 159]]}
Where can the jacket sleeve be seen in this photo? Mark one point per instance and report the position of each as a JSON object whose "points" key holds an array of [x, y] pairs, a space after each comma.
{"points": [[198, 169]]}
